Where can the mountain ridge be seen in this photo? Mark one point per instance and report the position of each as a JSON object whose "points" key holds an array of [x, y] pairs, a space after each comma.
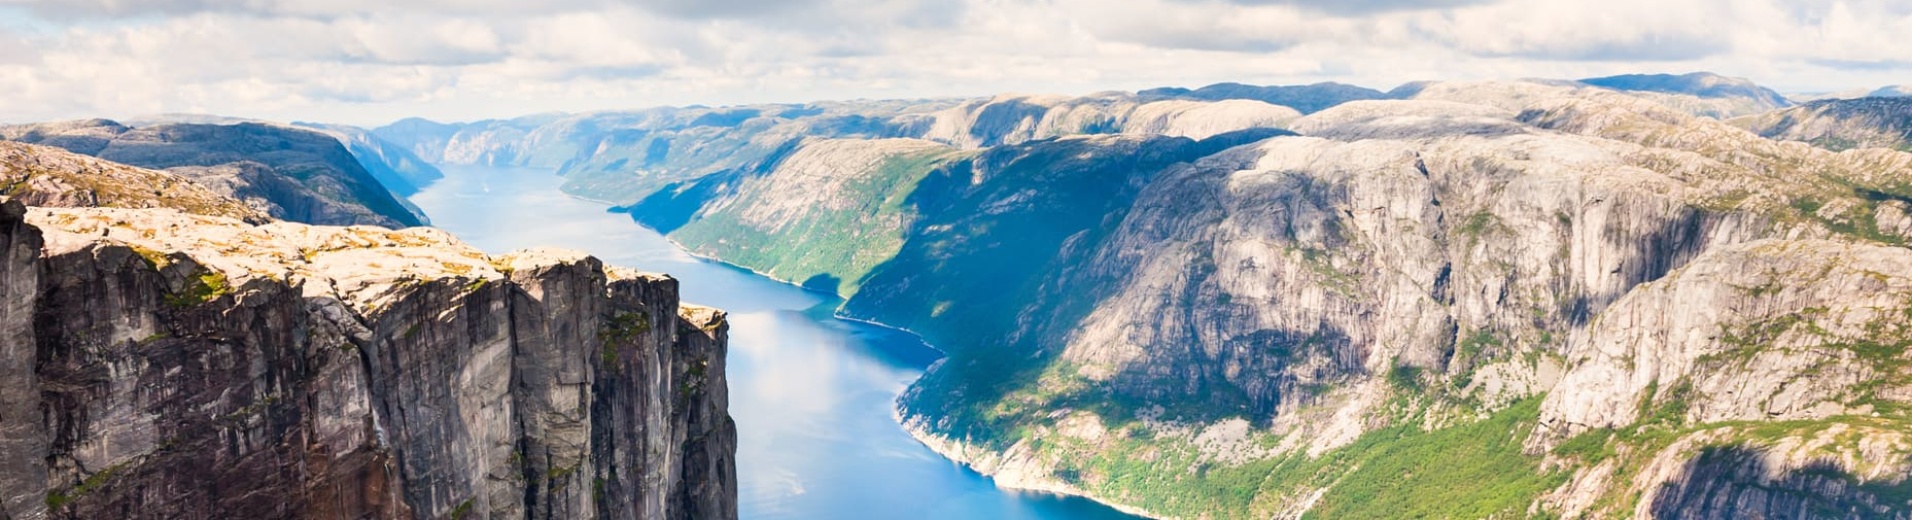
{"points": [[1402, 271], [291, 173]]}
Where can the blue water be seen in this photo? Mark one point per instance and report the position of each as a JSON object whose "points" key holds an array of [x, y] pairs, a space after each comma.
{"points": [[811, 394]]}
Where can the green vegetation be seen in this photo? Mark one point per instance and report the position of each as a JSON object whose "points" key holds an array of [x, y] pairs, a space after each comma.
{"points": [[462, 510], [209, 285], [1478, 225], [825, 248], [1405, 378], [1470, 470], [155, 258], [58, 499], [621, 329]]}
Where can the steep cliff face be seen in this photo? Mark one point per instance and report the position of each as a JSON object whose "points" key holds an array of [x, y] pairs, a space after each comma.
{"points": [[1489, 299], [289, 173], [181, 365]]}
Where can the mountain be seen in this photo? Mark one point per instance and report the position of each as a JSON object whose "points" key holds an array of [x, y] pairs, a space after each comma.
{"points": [[52, 177], [1487, 299], [164, 359], [395, 167], [1840, 124], [1887, 91], [623, 157], [289, 173], [1720, 97], [1892, 91], [1306, 98]]}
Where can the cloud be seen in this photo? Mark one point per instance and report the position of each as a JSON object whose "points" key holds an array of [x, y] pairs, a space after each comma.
{"points": [[1577, 30], [1865, 65], [1358, 7], [725, 8], [1208, 26], [121, 9], [376, 60]]}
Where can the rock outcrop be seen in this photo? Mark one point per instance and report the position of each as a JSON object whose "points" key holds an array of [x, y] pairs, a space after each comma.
{"points": [[288, 173], [160, 363], [51, 177]]}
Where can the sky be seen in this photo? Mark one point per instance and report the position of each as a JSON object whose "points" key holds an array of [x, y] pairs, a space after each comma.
{"points": [[369, 62]]}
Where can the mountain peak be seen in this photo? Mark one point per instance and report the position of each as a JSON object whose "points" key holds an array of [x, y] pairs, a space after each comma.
{"points": [[1701, 84]]}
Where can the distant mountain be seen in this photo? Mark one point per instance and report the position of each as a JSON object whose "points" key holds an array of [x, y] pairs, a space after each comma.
{"points": [[1840, 124], [480, 142], [1892, 91], [1886, 91], [1306, 98], [1741, 96], [289, 173], [625, 156], [394, 166]]}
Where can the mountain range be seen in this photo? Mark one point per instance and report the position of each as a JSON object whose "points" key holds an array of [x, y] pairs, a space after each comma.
{"points": [[1453, 299], [1633, 296]]}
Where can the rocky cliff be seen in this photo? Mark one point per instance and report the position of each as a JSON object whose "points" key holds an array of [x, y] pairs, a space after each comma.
{"points": [[288, 173], [1490, 299], [180, 363]]}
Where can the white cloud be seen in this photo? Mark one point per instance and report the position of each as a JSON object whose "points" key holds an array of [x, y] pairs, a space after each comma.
{"points": [[368, 61], [1607, 30]]}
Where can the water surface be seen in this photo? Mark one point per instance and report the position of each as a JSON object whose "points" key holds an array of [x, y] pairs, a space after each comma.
{"points": [[811, 394]]}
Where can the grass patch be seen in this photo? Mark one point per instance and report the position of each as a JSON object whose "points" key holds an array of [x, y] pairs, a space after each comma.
{"points": [[208, 286], [1472, 470], [58, 499]]}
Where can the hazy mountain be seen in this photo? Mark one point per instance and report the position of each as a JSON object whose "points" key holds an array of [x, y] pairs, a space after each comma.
{"points": [[1723, 97], [1306, 98], [395, 167], [624, 156]]}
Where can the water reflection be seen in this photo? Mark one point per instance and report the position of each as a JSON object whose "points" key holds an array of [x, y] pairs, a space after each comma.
{"points": [[811, 394]]}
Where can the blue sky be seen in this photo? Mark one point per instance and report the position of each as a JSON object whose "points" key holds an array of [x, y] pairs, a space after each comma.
{"points": [[372, 61]]}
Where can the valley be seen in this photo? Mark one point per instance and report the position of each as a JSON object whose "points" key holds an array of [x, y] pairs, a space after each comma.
{"points": [[1669, 296]]}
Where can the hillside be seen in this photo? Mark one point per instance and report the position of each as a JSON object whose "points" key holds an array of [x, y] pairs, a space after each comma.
{"points": [[1490, 298], [292, 174], [1870, 122]]}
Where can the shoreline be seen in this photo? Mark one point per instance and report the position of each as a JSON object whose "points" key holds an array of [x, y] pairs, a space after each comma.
{"points": [[955, 451], [1006, 470]]}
